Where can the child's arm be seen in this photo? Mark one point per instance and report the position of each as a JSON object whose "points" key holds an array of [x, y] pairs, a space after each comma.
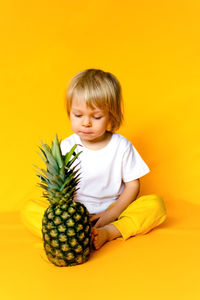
{"points": [[128, 195]]}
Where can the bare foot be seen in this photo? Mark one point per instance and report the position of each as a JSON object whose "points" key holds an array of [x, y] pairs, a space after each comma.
{"points": [[93, 233], [101, 235]]}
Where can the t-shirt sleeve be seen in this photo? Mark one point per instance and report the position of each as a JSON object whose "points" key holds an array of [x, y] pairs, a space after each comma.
{"points": [[64, 146], [133, 166]]}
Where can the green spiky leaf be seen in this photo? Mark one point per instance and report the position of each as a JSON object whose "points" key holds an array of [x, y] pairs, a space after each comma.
{"points": [[60, 178], [56, 151]]}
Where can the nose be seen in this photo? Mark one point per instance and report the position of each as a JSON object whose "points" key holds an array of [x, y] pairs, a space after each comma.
{"points": [[86, 121]]}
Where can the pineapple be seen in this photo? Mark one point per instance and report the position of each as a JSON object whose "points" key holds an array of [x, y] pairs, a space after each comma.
{"points": [[66, 226]]}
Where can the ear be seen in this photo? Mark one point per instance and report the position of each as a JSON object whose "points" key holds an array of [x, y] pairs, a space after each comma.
{"points": [[109, 125], [108, 128]]}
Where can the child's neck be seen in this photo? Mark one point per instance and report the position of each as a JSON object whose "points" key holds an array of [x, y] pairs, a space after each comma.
{"points": [[98, 144]]}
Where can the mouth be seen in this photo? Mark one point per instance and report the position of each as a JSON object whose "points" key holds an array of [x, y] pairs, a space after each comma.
{"points": [[85, 133]]}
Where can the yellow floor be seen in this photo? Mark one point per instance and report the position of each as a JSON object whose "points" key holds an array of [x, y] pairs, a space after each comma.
{"points": [[163, 264]]}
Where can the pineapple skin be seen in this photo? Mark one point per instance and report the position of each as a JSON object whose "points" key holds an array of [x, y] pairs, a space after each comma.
{"points": [[66, 230], [66, 227]]}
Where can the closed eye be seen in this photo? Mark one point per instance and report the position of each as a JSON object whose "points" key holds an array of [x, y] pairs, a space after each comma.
{"points": [[97, 118]]}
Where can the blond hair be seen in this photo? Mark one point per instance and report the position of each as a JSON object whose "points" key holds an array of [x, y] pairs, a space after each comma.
{"points": [[98, 88]]}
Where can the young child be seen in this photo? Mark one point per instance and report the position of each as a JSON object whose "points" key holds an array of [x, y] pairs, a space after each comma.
{"points": [[109, 163]]}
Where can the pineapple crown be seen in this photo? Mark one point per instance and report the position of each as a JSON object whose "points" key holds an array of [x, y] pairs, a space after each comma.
{"points": [[60, 179]]}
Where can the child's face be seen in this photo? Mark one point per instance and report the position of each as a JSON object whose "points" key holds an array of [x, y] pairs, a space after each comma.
{"points": [[90, 124]]}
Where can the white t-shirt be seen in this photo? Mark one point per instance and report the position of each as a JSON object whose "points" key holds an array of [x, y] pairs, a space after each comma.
{"points": [[103, 172]]}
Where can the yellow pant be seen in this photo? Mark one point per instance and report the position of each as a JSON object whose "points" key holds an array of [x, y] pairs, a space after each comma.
{"points": [[142, 215]]}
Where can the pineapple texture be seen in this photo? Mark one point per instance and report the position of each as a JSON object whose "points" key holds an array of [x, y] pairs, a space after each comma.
{"points": [[66, 233], [66, 226]]}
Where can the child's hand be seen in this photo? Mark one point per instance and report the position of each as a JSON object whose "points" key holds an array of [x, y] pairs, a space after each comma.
{"points": [[102, 218], [94, 218]]}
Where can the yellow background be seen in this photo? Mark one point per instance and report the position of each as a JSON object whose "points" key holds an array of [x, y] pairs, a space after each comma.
{"points": [[152, 47]]}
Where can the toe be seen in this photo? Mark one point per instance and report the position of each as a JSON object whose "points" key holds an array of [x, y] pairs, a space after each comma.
{"points": [[95, 231], [96, 245]]}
